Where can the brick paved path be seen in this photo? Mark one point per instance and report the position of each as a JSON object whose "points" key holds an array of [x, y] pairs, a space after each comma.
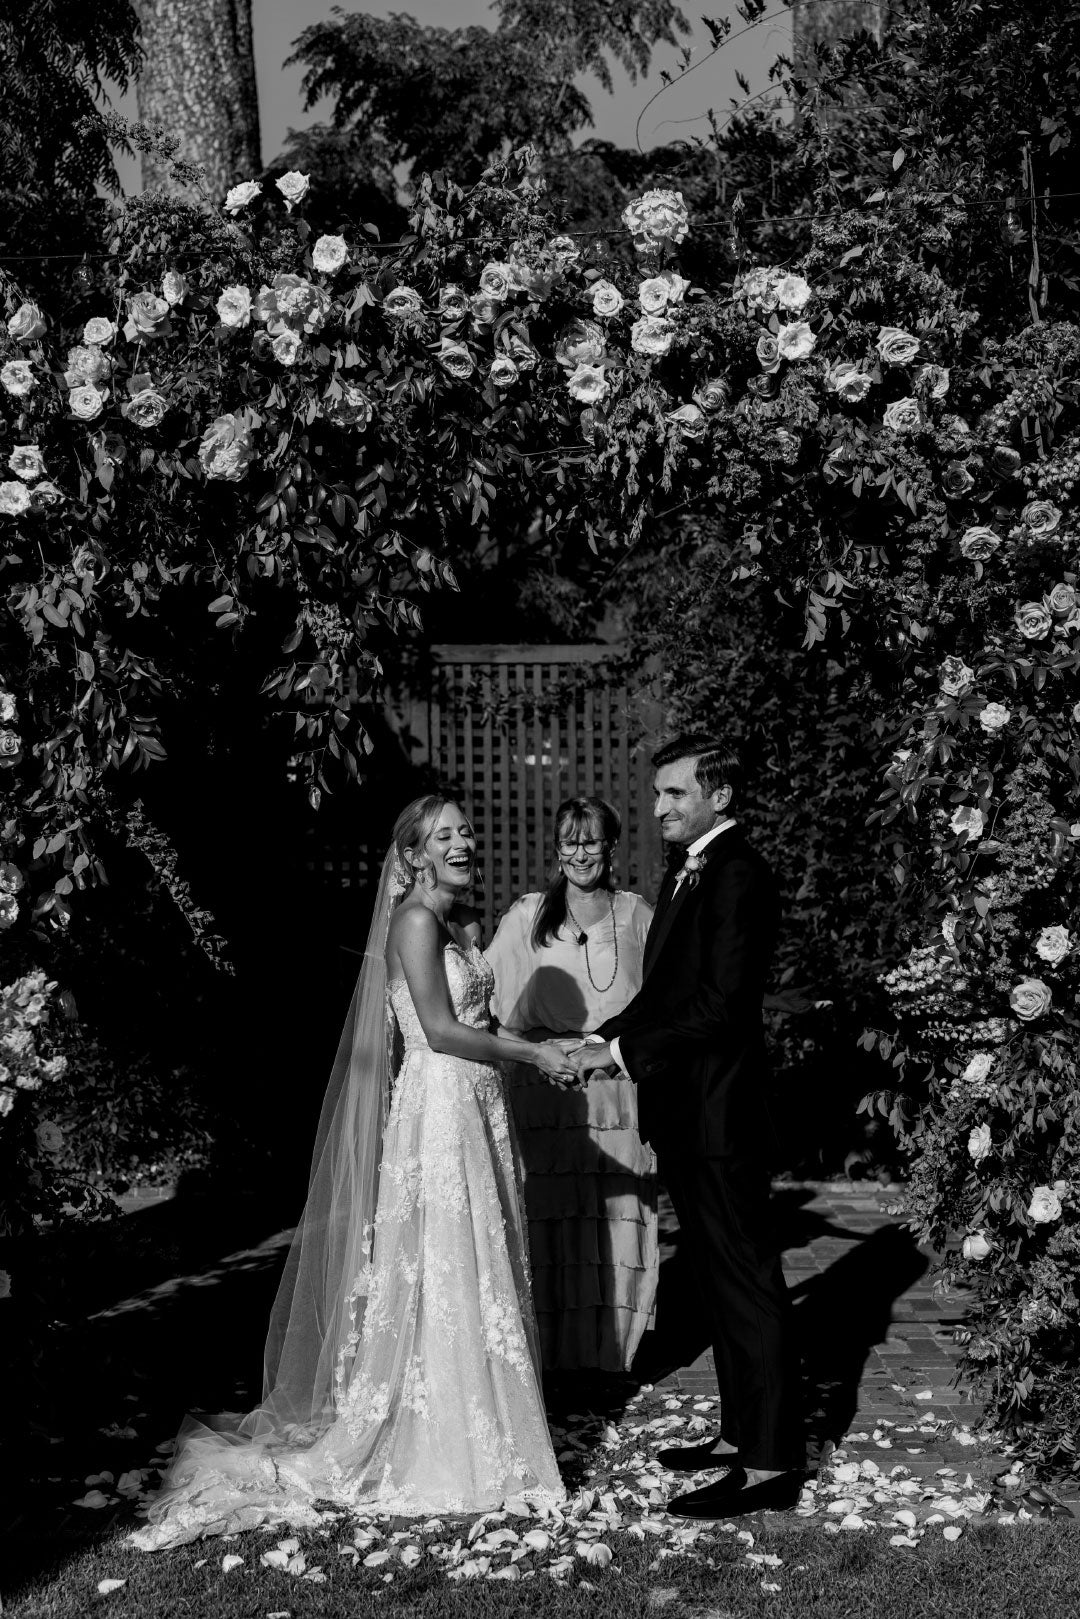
{"points": [[876, 1337], [913, 1351]]}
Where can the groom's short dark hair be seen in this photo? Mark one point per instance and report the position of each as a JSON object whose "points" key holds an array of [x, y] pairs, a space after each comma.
{"points": [[716, 764]]}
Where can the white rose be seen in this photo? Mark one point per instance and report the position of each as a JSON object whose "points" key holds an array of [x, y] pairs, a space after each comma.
{"points": [[453, 304], [502, 371], [690, 420], [1042, 518], [226, 449], [903, 416], [976, 1245], [146, 408], [564, 250], [656, 217], [1053, 944], [582, 343], [588, 384], [978, 543], [402, 301], [87, 402], [10, 744], [1032, 620], [496, 281], [26, 323], [86, 363], [484, 310], [967, 819], [7, 1101], [18, 378], [148, 316], [713, 394], [26, 462], [455, 359], [653, 295], [652, 335], [849, 382], [523, 354], [14, 498], [1061, 602], [99, 331], [896, 346], [607, 300], [759, 289], [793, 293], [174, 288], [240, 196], [234, 307], [286, 347], [955, 677], [936, 378], [768, 354], [1045, 1205], [329, 254], [979, 1142], [8, 710], [994, 717], [294, 187], [1030, 999], [978, 1067], [795, 341]]}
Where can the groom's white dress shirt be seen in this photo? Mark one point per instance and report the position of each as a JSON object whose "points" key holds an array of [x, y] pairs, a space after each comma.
{"points": [[694, 848]]}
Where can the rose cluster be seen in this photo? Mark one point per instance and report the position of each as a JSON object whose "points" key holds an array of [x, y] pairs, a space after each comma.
{"points": [[24, 1010]]}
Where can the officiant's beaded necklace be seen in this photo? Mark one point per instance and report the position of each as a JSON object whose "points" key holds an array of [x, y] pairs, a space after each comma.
{"points": [[582, 938]]}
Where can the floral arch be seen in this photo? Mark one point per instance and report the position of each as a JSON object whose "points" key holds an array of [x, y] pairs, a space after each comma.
{"points": [[311, 430]]}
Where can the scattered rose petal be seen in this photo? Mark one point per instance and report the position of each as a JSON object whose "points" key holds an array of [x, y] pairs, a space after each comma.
{"points": [[105, 1586], [231, 1561], [952, 1531]]}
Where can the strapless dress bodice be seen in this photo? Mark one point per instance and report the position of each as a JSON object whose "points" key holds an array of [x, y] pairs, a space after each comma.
{"points": [[471, 982]]}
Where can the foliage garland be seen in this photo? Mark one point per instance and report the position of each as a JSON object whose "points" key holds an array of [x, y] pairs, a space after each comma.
{"points": [[308, 434]]}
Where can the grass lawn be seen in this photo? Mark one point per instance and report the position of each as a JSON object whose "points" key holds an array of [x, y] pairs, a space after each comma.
{"points": [[990, 1573]]}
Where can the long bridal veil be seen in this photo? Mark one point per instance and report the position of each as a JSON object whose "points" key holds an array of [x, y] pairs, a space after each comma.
{"points": [[317, 1318]]}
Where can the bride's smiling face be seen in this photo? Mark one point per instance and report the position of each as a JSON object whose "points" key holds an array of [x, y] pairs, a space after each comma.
{"points": [[450, 850]]}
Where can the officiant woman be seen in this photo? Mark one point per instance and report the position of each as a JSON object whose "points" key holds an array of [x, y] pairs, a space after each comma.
{"points": [[565, 960]]}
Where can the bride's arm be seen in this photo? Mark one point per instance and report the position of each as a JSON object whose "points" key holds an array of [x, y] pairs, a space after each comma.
{"points": [[416, 941]]}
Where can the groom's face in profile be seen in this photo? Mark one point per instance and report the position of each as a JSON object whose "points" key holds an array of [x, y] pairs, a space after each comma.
{"points": [[685, 813]]}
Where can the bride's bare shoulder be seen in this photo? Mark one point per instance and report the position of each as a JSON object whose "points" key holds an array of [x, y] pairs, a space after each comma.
{"points": [[412, 924]]}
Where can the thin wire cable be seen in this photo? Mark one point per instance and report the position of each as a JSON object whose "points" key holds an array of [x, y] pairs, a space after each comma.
{"points": [[1006, 200]]}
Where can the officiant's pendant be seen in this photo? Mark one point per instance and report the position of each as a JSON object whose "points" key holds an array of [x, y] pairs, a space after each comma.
{"points": [[583, 938]]}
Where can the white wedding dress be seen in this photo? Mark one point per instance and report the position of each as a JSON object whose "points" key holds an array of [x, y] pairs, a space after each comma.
{"points": [[439, 1406]]}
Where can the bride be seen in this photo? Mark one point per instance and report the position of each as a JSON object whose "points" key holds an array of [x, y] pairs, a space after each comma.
{"points": [[402, 1364]]}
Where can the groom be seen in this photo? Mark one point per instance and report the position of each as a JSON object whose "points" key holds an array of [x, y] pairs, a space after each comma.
{"points": [[692, 1041]]}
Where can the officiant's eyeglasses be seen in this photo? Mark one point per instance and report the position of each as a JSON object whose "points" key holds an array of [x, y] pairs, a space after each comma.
{"points": [[591, 846]]}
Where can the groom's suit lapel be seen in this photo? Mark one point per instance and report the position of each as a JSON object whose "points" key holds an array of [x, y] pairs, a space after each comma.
{"points": [[671, 903]]}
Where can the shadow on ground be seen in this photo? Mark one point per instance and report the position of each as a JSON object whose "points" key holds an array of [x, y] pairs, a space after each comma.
{"points": [[164, 1311]]}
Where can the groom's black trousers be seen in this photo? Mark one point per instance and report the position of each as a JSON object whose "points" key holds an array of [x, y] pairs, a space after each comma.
{"points": [[723, 1207]]}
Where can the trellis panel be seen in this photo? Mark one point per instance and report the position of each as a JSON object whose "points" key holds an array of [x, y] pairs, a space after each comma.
{"points": [[512, 768]]}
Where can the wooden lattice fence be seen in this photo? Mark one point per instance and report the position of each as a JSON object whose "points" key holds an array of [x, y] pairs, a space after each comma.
{"points": [[516, 729]]}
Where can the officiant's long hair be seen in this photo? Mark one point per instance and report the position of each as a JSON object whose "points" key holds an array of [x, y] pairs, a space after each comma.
{"points": [[575, 818]]}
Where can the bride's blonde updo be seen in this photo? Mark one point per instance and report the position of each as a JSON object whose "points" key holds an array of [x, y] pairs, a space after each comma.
{"points": [[412, 829]]}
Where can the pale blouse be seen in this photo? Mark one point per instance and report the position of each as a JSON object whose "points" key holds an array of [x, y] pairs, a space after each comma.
{"points": [[549, 988]]}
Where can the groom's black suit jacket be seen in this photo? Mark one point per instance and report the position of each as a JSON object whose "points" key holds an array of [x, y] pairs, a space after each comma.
{"points": [[692, 1037]]}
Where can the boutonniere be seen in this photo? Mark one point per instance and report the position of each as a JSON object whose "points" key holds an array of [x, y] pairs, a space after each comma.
{"points": [[692, 869]]}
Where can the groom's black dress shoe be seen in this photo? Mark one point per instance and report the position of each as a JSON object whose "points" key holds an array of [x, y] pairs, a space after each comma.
{"points": [[732, 1496], [697, 1458]]}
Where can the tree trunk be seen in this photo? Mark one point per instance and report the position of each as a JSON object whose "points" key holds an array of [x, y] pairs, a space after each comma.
{"points": [[198, 80]]}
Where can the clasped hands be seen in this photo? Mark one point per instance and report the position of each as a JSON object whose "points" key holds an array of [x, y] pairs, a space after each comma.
{"points": [[577, 1060]]}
